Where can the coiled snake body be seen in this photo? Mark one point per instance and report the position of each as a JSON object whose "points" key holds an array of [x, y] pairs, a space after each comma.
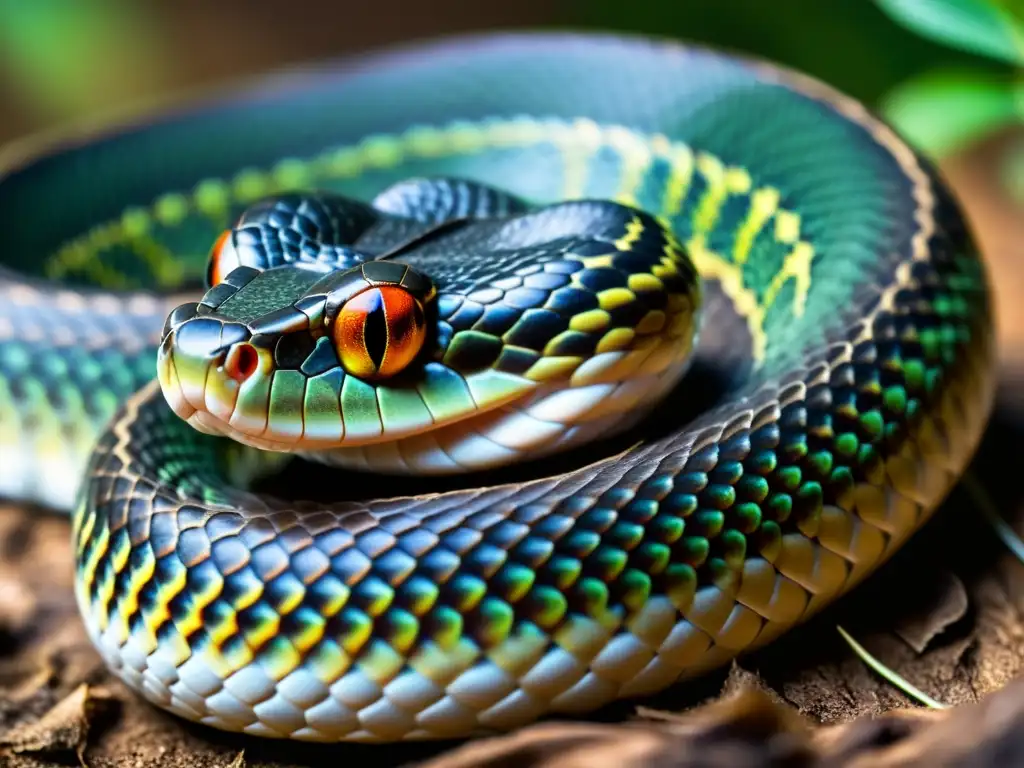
{"points": [[453, 257]]}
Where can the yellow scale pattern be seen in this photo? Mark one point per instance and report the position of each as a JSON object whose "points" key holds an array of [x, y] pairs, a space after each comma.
{"points": [[577, 142]]}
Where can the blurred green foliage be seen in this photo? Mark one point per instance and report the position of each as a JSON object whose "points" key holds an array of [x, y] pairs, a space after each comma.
{"points": [[922, 62], [946, 72], [851, 44], [985, 27], [948, 107], [62, 58], [65, 52]]}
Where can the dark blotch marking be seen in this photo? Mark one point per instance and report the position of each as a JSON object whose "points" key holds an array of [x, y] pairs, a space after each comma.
{"points": [[571, 301], [627, 315], [497, 319], [535, 328], [471, 351], [292, 350], [602, 278], [575, 344], [516, 360], [635, 262]]}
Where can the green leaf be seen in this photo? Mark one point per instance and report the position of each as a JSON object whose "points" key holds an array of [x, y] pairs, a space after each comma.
{"points": [[981, 27], [943, 111], [65, 58]]}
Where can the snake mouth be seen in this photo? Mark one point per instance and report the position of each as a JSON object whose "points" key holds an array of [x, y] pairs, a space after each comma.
{"points": [[213, 407], [238, 392]]}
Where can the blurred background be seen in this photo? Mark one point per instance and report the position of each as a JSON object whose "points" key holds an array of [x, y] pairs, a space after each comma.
{"points": [[64, 59], [948, 73]]}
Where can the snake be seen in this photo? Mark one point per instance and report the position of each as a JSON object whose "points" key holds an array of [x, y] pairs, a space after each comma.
{"points": [[451, 386]]}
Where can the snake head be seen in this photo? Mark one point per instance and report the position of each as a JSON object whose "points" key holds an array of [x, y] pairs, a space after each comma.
{"points": [[229, 368], [534, 331]]}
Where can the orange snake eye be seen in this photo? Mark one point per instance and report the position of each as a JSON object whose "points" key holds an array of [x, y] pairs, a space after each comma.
{"points": [[223, 259], [378, 332]]}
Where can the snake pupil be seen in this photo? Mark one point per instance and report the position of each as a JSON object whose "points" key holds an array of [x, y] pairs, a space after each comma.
{"points": [[378, 332], [375, 330]]}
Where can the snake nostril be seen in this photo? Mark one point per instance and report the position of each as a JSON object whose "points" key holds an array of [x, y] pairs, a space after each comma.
{"points": [[241, 362]]}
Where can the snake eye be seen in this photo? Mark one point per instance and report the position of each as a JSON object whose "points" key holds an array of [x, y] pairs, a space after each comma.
{"points": [[223, 259], [378, 332]]}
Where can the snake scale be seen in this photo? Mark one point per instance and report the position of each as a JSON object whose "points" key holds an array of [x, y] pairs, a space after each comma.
{"points": [[453, 257]]}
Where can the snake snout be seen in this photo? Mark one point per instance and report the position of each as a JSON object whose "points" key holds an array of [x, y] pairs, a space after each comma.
{"points": [[201, 362], [179, 315]]}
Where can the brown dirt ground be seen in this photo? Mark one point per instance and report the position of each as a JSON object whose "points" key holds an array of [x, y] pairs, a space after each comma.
{"points": [[946, 613]]}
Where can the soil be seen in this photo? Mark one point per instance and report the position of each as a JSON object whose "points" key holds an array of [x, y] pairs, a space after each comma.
{"points": [[946, 614]]}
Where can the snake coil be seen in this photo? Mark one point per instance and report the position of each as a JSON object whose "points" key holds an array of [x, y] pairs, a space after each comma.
{"points": [[844, 318]]}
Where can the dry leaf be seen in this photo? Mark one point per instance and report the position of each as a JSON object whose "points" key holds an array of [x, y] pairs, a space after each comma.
{"points": [[747, 728], [63, 729], [940, 603]]}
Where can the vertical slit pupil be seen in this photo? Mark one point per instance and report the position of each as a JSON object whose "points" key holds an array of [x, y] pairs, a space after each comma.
{"points": [[375, 330]]}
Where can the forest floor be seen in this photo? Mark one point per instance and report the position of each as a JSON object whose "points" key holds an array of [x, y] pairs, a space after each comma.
{"points": [[947, 613]]}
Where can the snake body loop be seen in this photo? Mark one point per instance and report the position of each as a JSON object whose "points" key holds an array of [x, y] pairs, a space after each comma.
{"points": [[546, 201]]}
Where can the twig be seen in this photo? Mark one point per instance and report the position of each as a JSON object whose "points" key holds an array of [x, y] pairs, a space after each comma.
{"points": [[904, 685]]}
